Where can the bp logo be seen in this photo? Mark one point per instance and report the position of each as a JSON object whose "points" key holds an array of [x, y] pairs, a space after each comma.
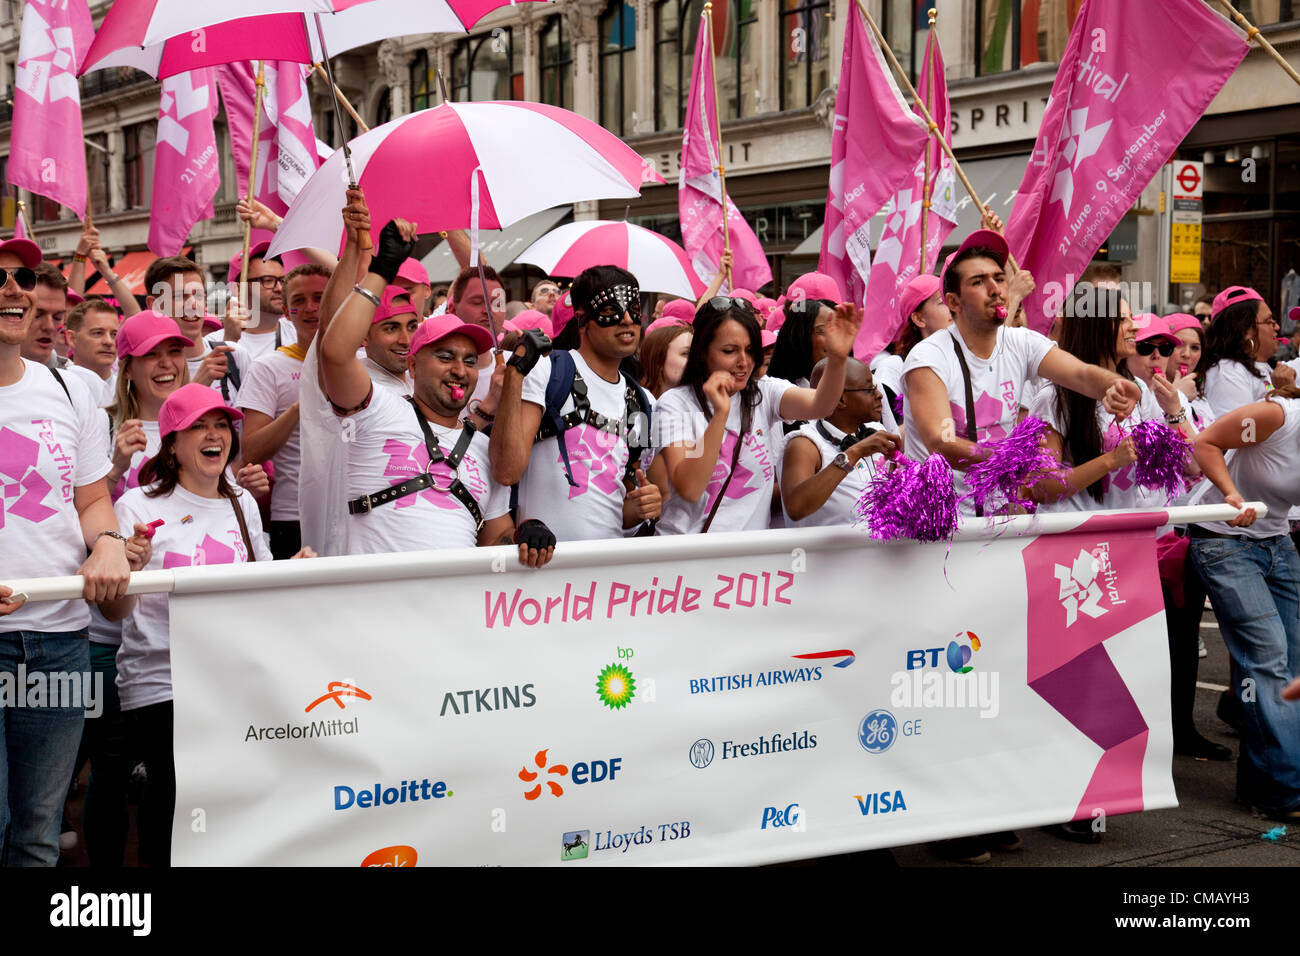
{"points": [[615, 686], [877, 731]]}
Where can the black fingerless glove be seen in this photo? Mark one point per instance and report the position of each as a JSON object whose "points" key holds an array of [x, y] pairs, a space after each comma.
{"points": [[534, 534], [535, 345], [390, 252]]}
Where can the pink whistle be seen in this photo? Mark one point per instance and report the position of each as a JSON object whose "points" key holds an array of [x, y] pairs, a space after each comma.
{"points": [[1182, 370], [1000, 311], [153, 526]]}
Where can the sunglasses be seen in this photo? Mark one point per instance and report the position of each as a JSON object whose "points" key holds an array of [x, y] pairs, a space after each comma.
{"points": [[721, 303], [608, 318], [24, 277], [1166, 349]]}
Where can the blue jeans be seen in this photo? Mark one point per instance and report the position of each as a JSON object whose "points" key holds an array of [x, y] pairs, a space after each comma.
{"points": [[1255, 589], [38, 746]]}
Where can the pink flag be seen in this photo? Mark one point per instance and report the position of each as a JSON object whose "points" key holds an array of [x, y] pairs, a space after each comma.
{"points": [[1134, 79], [699, 189], [46, 152], [876, 142], [186, 169], [898, 255]]}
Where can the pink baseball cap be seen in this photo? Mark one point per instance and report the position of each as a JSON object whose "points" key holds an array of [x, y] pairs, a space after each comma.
{"points": [[436, 328], [75, 298], [562, 313], [980, 237], [916, 292], [528, 319], [769, 338], [412, 271], [388, 308], [27, 251], [1181, 320], [776, 318], [764, 306], [144, 330], [188, 404], [1231, 296], [682, 310], [667, 322], [745, 294], [257, 251], [814, 285], [211, 323], [1151, 326]]}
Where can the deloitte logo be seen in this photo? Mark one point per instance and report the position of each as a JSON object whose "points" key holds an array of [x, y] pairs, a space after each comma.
{"points": [[615, 686], [702, 753], [877, 731]]}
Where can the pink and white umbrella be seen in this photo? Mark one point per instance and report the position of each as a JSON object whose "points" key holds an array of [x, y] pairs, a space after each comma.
{"points": [[136, 32], [659, 264], [466, 165]]}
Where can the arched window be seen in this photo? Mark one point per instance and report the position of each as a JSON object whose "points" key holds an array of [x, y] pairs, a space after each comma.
{"points": [[617, 35], [557, 63], [736, 58], [805, 53], [485, 67]]}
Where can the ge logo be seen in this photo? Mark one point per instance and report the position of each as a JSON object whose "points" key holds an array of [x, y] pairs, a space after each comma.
{"points": [[702, 753], [499, 41], [877, 731]]}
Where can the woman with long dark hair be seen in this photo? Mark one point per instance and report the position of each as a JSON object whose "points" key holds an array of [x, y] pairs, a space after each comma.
{"points": [[204, 520], [712, 430], [801, 340], [1241, 338]]}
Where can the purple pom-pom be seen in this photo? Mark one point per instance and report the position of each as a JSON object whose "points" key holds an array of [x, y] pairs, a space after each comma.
{"points": [[911, 500], [1162, 456], [898, 406], [1014, 462]]}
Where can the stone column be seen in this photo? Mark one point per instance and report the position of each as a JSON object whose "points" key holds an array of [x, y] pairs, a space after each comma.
{"points": [[643, 71], [116, 171], [395, 69], [581, 18]]}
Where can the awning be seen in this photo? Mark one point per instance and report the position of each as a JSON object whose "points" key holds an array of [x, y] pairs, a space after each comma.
{"points": [[996, 180], [499, 246], [131, 268]]}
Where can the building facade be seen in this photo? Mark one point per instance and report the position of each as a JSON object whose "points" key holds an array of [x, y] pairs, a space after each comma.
{"points": [[627, 63]]}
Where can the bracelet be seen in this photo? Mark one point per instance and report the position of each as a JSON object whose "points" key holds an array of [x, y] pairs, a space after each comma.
{"points": [[1177, 419], [112, 278], [366, 294], [111, 534], [78, 257], [475, 407]]}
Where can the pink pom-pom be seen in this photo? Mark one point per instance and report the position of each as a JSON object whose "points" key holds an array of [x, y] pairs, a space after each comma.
{"points": [[1162, 457], [911, 500], [1014, 462]]}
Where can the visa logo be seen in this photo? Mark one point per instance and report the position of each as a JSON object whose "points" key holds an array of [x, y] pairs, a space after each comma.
{"points": [[883, 802]]}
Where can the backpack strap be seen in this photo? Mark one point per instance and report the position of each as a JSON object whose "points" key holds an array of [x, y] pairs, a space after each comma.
{"points": [[62, 384], [558, 389]]}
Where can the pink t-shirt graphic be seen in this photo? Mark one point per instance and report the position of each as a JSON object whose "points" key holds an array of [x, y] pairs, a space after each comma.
{"points": [[408, 459], [24, 488], [595, 458]]}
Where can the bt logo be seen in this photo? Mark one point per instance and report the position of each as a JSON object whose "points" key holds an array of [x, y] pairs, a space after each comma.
{"points": [[778, 818], [957, 654]]}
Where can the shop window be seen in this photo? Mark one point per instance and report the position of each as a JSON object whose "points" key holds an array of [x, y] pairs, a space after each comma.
{"points": [[1011, 34], [557, 63]]}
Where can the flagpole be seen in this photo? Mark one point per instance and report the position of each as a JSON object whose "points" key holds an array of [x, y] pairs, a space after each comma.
{"points": [[925, 113], [925, 182], [244, 299], [1252, 33], [22, 211], [363, 237], [722, 171], [361, 124]]}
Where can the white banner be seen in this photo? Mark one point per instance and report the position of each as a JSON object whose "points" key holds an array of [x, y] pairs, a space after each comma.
{"points": [[731, 698]]}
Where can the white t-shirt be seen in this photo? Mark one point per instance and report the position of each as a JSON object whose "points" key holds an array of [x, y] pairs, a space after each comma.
{"points": [[101, 390], [593, 508], [747, 503], [49, 446], [1119, 488], [887, 369], [270, 388], [1266, 471], [195, 530], [259, 343], [399, 385], [1229, 385], [388, 448], [839, 507], [1001, 385], [237, 354]]}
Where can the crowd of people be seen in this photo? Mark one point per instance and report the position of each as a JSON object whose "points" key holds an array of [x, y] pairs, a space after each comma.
{"points": [[589, 412]]}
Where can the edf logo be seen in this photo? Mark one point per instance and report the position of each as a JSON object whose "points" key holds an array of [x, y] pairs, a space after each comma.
{"points": [[596, 771], [789, 817]]}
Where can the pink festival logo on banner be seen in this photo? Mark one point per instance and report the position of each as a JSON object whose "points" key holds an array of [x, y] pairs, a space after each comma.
{"points": [[1134, 79], [186, 166], [699, 190], [1085, 588], [876, 143], [46, 153]]}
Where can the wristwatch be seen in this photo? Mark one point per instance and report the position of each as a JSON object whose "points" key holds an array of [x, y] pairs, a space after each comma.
{"points": [[842, 461]]}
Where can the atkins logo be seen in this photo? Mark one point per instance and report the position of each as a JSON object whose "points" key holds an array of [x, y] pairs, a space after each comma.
{"points": [[1081, 584]]}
